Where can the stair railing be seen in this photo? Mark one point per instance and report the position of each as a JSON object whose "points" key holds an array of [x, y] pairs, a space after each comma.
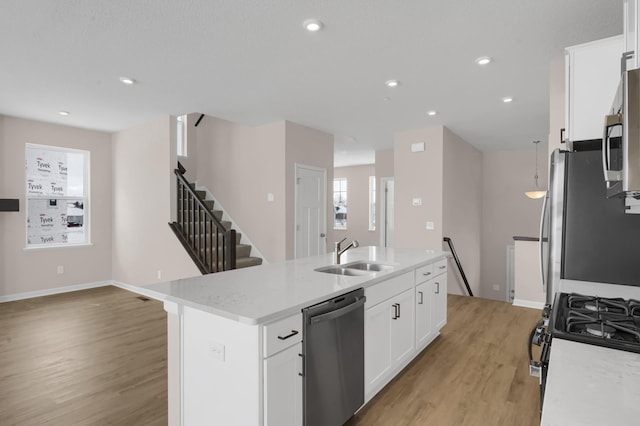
{"points": [[210, 245], [457, 259]]}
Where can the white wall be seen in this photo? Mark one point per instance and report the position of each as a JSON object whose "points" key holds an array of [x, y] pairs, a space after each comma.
{"points": [[35, 270], [358, 205], [143, 244], [506, 211], [462, 210], [418, 175]]}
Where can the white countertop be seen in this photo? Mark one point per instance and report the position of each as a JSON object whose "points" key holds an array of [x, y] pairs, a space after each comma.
{"points": [[591, 385], [263, 293]]}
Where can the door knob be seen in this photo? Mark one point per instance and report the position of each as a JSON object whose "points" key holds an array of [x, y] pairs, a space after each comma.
{"points": [[322, 235]]}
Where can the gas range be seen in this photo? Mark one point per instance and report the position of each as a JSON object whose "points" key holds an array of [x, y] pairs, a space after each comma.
{"points": [[608, 322]]}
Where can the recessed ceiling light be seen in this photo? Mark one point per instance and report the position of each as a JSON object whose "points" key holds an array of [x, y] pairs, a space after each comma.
{"points": [[127, 80], [432, 113], [386, 98], [313, 25], [392, 83], [483, 60], [507, 99], [64, 112]]}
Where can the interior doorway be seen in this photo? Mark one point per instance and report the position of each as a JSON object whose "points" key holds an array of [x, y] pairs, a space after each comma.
{"points": [[386, 211], [311, 211]]}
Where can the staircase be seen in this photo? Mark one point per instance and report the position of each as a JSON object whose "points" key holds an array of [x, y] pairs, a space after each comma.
{"points": [[210, 241]]}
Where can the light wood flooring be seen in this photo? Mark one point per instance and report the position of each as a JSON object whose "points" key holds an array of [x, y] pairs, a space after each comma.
{"points": [[98, 357], [475, 373], [92, 357]]}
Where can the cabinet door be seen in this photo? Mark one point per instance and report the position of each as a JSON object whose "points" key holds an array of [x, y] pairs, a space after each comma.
{"points": [[402, 326], [423, 313], [439, 302], [593, 74], [377, 344], [631, 32], [283, 388]]}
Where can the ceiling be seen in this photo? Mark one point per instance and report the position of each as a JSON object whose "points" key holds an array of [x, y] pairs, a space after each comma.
{"points": [[252, 62]]}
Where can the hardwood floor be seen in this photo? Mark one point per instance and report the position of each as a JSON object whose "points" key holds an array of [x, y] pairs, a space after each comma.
{"points": [[98, 357], [474, 373], [92, 357]]}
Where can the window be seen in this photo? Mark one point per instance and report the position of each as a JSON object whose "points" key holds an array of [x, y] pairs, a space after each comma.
{"points": [[181, 135], [372, 203], [57, 196], [340, 204]]}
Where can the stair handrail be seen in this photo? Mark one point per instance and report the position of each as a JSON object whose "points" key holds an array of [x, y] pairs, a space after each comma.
{"points": [[204, 263], [457, 259]]}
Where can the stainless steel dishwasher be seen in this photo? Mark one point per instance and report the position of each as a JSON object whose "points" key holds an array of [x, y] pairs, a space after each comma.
{"points": [[333, 351]]}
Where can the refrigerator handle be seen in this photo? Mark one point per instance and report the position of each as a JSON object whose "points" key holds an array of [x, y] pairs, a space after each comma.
{"points": [[540, 241]]}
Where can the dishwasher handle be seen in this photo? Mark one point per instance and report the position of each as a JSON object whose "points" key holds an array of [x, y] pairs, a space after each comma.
{"points": [[359, 301]]}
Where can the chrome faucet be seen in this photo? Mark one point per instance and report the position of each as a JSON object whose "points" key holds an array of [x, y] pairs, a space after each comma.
{"points": [[338, 252]]}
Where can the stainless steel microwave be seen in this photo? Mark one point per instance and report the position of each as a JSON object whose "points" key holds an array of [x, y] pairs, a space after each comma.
{"points": [[621, 139]]}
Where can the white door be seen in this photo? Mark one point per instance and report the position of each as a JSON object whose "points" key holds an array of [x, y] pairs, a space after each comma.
{"points": [[386, 212], [311, 210], [402, 323]]}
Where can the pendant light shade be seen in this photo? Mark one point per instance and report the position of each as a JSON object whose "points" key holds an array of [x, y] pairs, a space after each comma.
{"points": [[537, 193]]}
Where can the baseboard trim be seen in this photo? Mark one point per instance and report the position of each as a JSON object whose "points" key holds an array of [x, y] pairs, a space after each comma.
{"points": [[528, 304], [139, 289], [52, 291]]}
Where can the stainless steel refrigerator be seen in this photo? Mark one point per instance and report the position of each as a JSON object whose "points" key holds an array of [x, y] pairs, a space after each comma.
{"points": [[586, 236]]}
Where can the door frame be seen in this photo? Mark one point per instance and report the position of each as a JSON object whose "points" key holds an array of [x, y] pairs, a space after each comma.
{"points": [[323, 216]]}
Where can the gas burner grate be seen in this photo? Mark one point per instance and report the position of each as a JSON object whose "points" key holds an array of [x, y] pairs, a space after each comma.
{"points": [[598, 304]]}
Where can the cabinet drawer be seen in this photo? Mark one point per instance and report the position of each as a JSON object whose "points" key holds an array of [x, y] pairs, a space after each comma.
{"points": [[440, 267], [424, 273], [386, 289], [281, 334]]}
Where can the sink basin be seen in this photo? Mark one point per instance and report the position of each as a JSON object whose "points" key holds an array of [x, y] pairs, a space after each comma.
{"points": [[340, 270], [361, 267], [368, 266]]}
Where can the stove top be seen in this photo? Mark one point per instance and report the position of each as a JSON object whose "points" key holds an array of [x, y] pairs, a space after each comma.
{"points": [[608, 322]]}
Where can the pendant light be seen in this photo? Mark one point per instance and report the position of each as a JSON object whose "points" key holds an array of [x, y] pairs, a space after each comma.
{"points": [[537, 193]]}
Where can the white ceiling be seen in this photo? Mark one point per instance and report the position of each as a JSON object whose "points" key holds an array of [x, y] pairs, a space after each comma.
{"points": [[251, 62]]}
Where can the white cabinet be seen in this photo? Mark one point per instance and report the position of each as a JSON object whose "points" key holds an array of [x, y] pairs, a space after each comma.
{"points": [[282, 372], [424, 331], [389, 332], [631, 33], [283, 388], [439, 302], [592, 73]]}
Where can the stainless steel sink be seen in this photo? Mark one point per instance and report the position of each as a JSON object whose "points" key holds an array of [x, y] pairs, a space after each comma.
{"points": [[368, 266], [341, 270], [359, 268]]}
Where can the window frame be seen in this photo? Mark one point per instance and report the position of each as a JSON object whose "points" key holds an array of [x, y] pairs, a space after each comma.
{"points": [[336, 205], [85, 197]]}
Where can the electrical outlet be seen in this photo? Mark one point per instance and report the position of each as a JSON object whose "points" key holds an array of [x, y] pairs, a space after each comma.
{"points": [[61, 269], [416, 202], [430, 226], [496, 287]]}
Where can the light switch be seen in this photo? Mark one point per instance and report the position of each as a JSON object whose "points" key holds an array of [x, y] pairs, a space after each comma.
{"points": [[270, 197], [416, 201], [430, 226]]}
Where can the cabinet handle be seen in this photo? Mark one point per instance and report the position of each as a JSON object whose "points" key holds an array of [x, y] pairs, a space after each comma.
{"points": [[421, 298], [396, 311], [437, 288], [442, 267], [426, 274], [302, 362], [293, 333]]}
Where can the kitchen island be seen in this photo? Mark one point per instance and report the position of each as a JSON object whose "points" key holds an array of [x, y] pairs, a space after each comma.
{"points": [[234, 337]]}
